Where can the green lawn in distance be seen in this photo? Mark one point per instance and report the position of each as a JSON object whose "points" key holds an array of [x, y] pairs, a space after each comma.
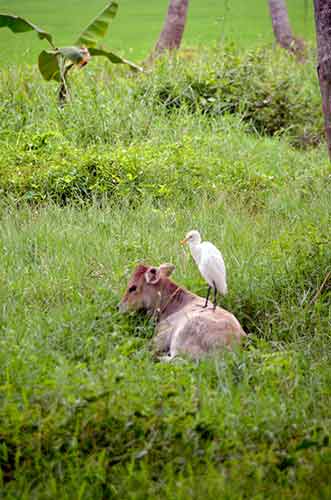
{"points": [[138, 24]]}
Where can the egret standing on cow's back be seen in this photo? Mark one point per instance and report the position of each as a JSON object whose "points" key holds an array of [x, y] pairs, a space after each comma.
{"points": [[210, 263]]}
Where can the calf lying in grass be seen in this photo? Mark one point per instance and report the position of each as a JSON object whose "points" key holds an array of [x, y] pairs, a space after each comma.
{"points": [[184, 327]]}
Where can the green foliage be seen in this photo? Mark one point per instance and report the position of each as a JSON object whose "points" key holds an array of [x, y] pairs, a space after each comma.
{"points": [[114, 58], [19, 25], [85, 408], [109, 143], [49, 66], [51, 63], [48, 168], [209, 23], [85, 411], [97, 29], [55, 64], [270, 90]]}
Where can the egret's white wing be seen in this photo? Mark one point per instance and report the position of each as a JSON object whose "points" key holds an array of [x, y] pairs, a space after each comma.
{"points": [[212, 267]]}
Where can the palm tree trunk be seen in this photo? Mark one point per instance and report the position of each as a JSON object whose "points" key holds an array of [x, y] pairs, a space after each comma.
{"points": [[282, 28], [323, 35], [173, 29]]}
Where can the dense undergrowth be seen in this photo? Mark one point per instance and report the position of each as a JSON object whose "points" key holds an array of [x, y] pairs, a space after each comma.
{"points": [[117, 135], [85, 412]]}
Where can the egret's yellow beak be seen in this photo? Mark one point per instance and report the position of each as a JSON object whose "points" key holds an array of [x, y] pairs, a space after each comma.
{"points": [[184, 241]]}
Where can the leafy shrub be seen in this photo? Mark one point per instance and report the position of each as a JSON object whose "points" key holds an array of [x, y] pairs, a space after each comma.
{"points": [[268, 88], [173, 133], [207, 165]]}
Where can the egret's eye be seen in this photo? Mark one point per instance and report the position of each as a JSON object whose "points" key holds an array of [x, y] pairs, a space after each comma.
{"points": [[132, 288]]}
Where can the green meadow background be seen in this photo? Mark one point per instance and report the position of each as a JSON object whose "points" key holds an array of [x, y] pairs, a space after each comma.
{"points": [[228, 141], [138, 24]]}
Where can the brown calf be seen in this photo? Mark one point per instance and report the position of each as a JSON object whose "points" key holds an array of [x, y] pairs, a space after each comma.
{"points": [[183, 325]]}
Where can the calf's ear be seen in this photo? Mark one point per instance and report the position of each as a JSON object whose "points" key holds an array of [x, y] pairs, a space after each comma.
{"points": [[166, 269], [152, 275]]}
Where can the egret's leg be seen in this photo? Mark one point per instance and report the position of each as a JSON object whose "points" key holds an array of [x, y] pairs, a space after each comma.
{"points": [[215, 295], [208, 293]]}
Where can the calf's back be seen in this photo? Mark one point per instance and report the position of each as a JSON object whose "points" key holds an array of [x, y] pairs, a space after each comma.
{"points": [[195, 331]]}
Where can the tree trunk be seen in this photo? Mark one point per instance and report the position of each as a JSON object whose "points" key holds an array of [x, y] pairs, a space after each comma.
{"points": [[173, 29], [282, 29], [323, 35]]}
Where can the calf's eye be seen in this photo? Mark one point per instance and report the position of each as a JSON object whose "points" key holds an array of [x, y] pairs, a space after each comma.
{"points": [[132, 288]]}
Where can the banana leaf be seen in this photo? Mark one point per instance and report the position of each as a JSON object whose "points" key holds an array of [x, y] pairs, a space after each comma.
{"points": [[98, 27], [20, 25], [114, 58], [49, 64]]}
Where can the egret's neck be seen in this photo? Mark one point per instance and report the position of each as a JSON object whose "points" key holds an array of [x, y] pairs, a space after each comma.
{"points": [[195, 251]]}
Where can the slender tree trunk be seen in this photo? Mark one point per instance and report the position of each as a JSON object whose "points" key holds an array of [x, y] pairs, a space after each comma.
{"points": [[173, 29], [323, 35], [282, 28]]}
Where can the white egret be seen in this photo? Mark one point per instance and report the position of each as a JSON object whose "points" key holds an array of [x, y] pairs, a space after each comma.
{"points": [[210, 263]]}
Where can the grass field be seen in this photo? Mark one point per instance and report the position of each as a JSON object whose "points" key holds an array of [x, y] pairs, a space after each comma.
{"points": [[227, 143], [85, 411], [137, 25]]}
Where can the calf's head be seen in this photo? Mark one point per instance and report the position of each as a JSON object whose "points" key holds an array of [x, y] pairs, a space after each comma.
{"points": [[144, 288]]}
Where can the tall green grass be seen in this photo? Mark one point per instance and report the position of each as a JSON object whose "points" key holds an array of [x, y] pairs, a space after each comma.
{"points": [[85, 409], [117, 135], [117, 178]]}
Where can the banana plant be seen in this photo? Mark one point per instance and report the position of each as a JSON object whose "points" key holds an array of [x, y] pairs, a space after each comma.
{"points": [[56, 63]]}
